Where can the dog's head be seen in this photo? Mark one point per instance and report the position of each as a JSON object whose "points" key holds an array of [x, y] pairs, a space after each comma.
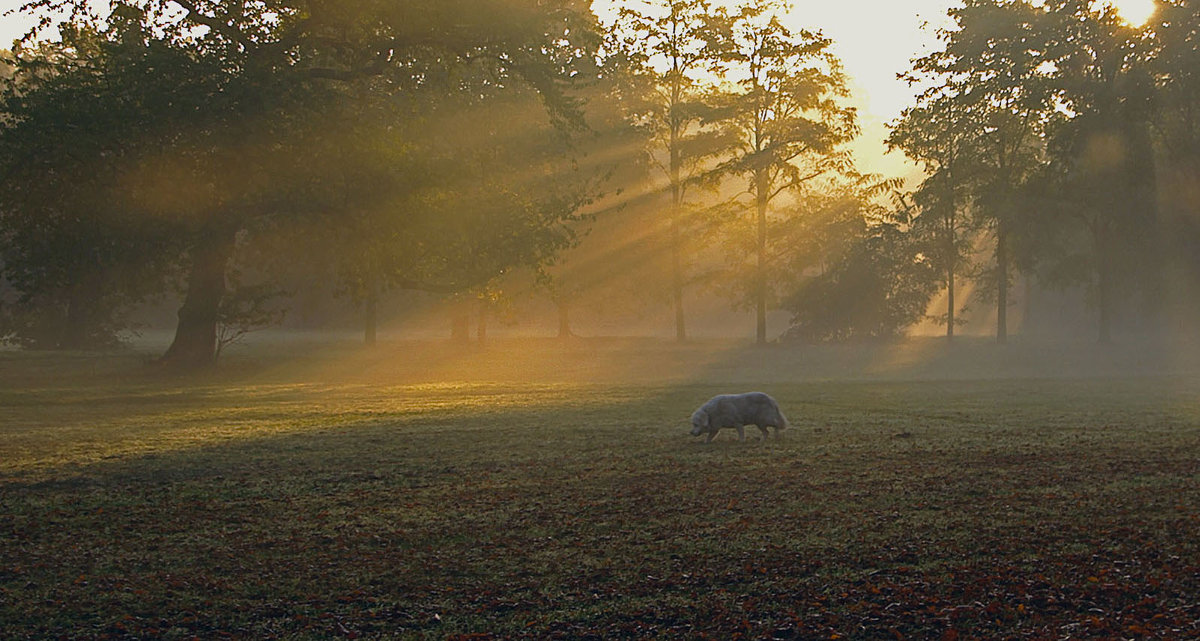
{"points": [[699, 422]]}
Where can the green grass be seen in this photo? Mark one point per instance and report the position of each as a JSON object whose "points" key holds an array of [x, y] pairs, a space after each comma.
{"points": [[546, 491]]}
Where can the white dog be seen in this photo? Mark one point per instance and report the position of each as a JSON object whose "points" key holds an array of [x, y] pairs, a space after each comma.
{"points": [[737, 411]]}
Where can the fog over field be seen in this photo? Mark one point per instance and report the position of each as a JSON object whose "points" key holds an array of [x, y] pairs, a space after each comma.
{"points": [[537, 489]]}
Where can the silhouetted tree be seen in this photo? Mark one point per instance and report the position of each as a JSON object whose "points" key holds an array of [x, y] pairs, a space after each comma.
{"points": [[676, 43], [788, 118], [236, 94], [1103, 155], [860, 273], [76, 248], [938, 133], [994, 66], [1175, 63]]}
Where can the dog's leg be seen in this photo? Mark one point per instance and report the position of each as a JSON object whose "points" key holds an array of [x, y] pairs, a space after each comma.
{"points": [[741, 432], [766, 432], [711, 434]]}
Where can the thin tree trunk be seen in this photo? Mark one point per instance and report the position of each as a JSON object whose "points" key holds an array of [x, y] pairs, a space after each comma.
{"points": [[1027, 327], [460, 325], [760, 274], [677, 277], [481, 329], [78, 331], [951, 227], [1001, 286], [950, 303], [370, 317], [370, 307], [1103, 285], [195, 343], [676, 237], [564, 320]]}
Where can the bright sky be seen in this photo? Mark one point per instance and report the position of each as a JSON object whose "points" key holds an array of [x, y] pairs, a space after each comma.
{"points": [[876, 40], [11, 27]]}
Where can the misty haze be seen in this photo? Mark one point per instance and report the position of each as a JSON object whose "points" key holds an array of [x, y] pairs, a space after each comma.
{"points": [[400, 319]]}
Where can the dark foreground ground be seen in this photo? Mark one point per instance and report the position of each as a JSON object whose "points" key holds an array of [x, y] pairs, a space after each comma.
{"points": [[547, 491]]}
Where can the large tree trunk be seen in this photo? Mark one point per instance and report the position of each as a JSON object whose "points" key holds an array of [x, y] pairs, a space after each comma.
{"points": [[195, 343], [760, 272]]}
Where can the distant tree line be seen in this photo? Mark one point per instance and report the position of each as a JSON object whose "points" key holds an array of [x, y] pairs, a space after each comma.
{"points": [[221, 150]]}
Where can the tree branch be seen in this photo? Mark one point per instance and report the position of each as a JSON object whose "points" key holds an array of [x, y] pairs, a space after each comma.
{"points": [[795, 182], [221, 27]]}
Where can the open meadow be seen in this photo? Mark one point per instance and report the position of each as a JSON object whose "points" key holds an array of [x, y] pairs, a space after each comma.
{"points": [[541, 489]]}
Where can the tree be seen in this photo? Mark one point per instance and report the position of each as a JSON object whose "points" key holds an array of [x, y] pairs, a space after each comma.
{"points": [[938, 133], [994, 66], [675, 43], [860, 271], [608, 164], [1104, 157], [788, 119], [1174, 61], [246, 309], [77, 256], [235, 96]]}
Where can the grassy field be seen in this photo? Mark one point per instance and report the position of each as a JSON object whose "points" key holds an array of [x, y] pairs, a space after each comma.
{"points": [[539, 490]]}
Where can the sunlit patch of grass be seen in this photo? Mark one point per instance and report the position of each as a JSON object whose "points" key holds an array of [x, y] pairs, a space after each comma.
{"points": [[79, 425]]}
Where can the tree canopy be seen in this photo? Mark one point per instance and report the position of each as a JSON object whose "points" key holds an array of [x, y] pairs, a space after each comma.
{"points": [[218, 150], [218, 120]]}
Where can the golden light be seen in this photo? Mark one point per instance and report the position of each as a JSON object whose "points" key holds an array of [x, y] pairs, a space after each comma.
{"points": [[1135, 12]]}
